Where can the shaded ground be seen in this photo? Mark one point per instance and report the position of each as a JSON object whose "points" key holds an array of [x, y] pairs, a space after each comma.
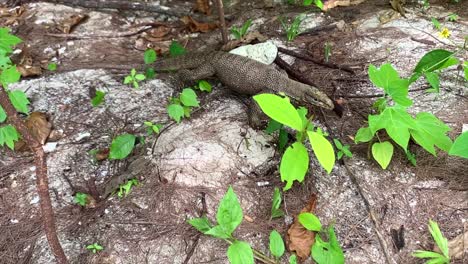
{"points": [[193, 162]]}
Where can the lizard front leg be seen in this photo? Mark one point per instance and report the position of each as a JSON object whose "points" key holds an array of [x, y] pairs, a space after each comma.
{"points": [[257, 119], [189, 77]]}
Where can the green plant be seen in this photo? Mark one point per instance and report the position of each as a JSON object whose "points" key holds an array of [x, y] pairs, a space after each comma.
{"points": [[276, 203], [122, 146], [8, 75], [460, 146], [152, 128], [453, 17], [322, 251], [175, 49], [425, 129], [81, 198], [182, 106], [134, 78], [149, 57], [441, 242], [292, 30], [126, 187], [95, 247], [98, 98], [342, 149], [229, 216], [317, 3], [435, 23], [295, 161], [239, 33], [274, 126], [203, 86], [52, 66], [327, 50]]}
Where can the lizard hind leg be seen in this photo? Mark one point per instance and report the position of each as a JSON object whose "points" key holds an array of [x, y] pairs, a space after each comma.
{"points": [[257, 119]]}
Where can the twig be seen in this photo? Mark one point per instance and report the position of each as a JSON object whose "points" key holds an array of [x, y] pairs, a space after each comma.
{"points": [[222, 21], [42, 184], [306, 57], [378, 94], [93, 36], [292, 73]]}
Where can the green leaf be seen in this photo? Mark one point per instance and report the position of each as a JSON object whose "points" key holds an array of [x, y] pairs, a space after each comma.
{"points": [[338, 144], [436, 23], [140, 77], [81, 198], [294, 164], [189, 98], [175, 49], [98, 98], [380, 104], [387, 78], [235, 32], [347, 152], [282, 139], [293, 259], [128, 79], [8, 136], [202, 224], [3, 114], [310, 222], [219, 232], [4, 61], [439, 238], [453, 17], [460, 146], [245, 27], [396, 122], [121, 146], [229, 214], [435, 60], [276, 203], [323, 150], [240, 252], [149, 56], [431, 131], [273, 126], [302, 111], [382, 153], [7, 41], [19, 100], [205, 86], [436, 257], [279, 109], [364, 134], [327, 252], [9, 75], [52, 66], [411, 157], [433, 79], [150, 73], [276, 244], [175, 111]]}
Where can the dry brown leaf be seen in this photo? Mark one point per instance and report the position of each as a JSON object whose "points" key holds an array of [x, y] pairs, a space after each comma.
{"points": [[11, 12], [102, 154], [27, 70], [160, 46], [458, 245], [195, 26], [300, 239], [203, 6], [67, 25], [334, 3], [38, 126], [250, 37]]}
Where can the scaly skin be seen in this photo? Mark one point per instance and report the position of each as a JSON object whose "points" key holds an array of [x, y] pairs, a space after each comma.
{"points": [[242, 75]]}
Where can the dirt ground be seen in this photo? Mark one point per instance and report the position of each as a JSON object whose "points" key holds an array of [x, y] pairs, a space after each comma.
{"points": [[188, 168]]}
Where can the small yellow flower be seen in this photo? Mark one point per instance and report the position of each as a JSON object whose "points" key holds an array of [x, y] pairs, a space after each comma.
{"points": [[445, 33]]}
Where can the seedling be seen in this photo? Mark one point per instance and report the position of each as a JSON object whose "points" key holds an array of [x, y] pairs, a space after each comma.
{"points": [[276, 203], [317, 3], [441, 242], [95, 247], [126, 188], [182, 106], [453, 17], [81, 198], [239, 33], [152, 128], [52, 66], [327, 50], [98, 98], [292, 30], [342, 149], [150, 57], [134, 78], [175, 49], [436, 23]]}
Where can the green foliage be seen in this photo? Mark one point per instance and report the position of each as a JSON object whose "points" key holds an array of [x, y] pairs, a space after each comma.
{"points": [[441, 242], [342, 149], [204, 86], [121, 146], [134, 78], [240, 252], [388, 79], [292, 30], [327, 252], [149, 56], [95, 247], [295, 161], [152, 128], [202, 224], [453, 17], [229, 216], [435, 23], [310, 222], [327, 50], [460, 146], [276, 203], [98, 98], [239, 33], [19, 100], [81, 198], [8, 136], [3, 115], [433, 61], [182, 106], [276, 244], [126, 187], [382, 153], [175, 49], [7, 41], [317, 3], [293, 259], [9, 75], [52, 66]]}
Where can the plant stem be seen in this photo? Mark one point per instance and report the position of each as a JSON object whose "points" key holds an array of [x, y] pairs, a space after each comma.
{"points": [[257, 254]]}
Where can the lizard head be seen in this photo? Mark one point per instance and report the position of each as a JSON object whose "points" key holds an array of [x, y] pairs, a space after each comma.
{"points": [[318, 98]]}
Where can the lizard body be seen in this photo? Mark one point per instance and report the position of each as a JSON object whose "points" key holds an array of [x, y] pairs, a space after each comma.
{"points": [[242, 75]]}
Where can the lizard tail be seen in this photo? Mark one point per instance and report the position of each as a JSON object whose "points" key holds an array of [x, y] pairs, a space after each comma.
{"points": [[186, 61]]}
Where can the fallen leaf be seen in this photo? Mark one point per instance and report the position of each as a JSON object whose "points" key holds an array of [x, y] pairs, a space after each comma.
{"points": [[300, 239], [334, 3], [102, 154], [195, 26], [27, 70], [203, 6], [457, 246], [67, 25], [38, 126]]}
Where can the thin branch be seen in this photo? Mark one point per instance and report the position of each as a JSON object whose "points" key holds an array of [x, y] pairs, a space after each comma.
{"points": [[222, 21], [42, 184]]}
